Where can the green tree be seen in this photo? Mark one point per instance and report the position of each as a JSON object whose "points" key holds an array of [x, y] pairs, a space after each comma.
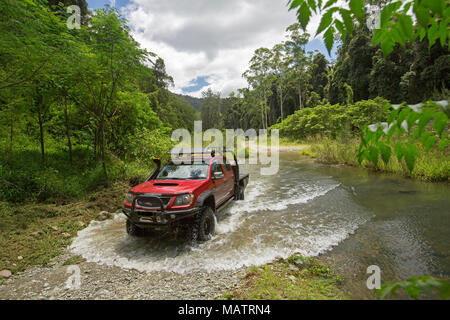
{"points": [[318, 74], [282, 75], [395, 20], [27, 48], [211, 110], [114, 59], [298, 58], [258, 76], [386, 74]]}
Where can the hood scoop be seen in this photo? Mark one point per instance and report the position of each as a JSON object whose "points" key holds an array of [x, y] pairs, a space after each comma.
{"points": [[162, 184]]}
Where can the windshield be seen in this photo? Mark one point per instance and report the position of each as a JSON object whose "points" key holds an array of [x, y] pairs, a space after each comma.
{"points": [[198, 171]]}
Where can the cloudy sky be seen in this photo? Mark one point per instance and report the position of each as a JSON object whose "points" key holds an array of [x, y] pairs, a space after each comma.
{"points": [[208, 43]]}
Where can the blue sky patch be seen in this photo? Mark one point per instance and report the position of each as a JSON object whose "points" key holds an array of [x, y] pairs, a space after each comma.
{"points": [[196, 84], [318, 44], [97, 4]]}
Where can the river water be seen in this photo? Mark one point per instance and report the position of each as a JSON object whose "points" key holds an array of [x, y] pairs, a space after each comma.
{"points": [[349, 217]]}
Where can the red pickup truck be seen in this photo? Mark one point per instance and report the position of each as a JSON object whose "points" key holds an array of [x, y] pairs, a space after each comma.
{"points": [[186, 194]]}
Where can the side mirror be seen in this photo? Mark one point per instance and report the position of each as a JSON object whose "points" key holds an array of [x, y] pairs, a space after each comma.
{"points": [[218, 175]]}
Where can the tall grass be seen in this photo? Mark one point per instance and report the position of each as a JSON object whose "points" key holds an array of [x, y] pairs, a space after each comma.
{"points": [[25, 178], [431, 166]]}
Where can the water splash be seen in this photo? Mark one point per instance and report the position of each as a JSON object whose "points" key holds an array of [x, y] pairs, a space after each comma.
{"points": [[294, 211]]}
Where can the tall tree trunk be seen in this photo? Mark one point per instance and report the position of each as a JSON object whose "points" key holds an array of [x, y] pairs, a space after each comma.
{"points": [[95, 144], [66, 116], [262, 111], [300, 96], [11, 134], [267, 112], [102, 148], [41, 131], [265, 107], [281, 102]]}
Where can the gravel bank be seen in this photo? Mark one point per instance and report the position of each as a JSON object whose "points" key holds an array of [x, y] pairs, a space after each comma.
{"points": [[110, 282]]}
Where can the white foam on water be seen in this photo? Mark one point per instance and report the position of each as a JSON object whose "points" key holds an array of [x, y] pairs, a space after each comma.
{"points": [[239, 210], [258, 200]]}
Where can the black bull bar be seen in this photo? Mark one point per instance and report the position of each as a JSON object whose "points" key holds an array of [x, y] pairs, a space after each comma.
{"points": [[163, 215], [133, 205]]}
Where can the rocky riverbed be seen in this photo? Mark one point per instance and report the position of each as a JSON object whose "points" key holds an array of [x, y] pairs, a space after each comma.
{"points": [[111, 282]]}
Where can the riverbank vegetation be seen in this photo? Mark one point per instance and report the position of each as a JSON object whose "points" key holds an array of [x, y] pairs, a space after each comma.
{"points": [[430, 166], [295, 278], [334, 135], [34, 233]]}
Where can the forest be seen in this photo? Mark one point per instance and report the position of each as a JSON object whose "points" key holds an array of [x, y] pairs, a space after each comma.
{"points": [[81, 108], [286, 78]]}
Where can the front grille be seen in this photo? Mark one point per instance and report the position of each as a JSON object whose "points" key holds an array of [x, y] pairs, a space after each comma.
{"points": [[152, 202], [147, 214]]}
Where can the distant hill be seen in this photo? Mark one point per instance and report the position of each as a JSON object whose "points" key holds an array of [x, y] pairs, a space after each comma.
{"points": [[195, 102]]}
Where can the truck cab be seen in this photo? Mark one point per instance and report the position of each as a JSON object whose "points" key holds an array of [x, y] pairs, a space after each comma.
{"points": [[186, 193]]}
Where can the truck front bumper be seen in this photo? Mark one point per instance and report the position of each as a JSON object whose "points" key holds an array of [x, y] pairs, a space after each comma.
{"points": [[154, 219]]}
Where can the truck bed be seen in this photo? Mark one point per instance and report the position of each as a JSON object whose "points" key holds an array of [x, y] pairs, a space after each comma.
{"points": [[243, 176]]}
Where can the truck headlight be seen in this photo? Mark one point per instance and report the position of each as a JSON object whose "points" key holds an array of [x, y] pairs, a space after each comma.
{"points": [[183, 200], [129, 198]]}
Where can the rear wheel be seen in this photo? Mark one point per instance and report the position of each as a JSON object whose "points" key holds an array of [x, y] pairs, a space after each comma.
{"points": [[204, 225], [241, 195], [134, 230]]}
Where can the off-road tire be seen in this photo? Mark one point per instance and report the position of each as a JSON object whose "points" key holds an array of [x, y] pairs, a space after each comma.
{"points": [[133, 230], [204, 225], [240, 195]]}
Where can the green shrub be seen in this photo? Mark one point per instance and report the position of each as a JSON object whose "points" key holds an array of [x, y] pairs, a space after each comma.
{"points": [[332, 121], [414, 286], [366, 112]]}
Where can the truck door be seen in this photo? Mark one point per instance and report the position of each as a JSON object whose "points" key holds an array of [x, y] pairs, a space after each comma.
{"points": [[218, 183], [229, 179]]}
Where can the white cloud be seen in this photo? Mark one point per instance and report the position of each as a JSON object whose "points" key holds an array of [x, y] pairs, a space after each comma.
{"points": [[213, 38]]}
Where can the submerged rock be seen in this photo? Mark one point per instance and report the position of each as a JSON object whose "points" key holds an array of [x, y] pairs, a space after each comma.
{"points": [[104, 215]]}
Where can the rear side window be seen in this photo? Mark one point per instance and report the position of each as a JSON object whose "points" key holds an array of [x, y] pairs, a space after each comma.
{"points": [[216, 167]]}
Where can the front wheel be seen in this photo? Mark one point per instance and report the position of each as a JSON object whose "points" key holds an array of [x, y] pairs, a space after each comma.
{"points": [[133, 230], [205, 225]]}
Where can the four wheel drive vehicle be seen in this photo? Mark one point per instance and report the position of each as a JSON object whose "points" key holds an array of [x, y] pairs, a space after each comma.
{"points": [[187, 194]]}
